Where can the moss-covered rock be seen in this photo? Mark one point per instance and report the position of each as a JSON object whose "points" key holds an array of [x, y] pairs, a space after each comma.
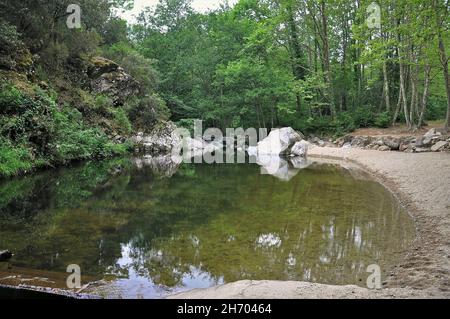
{"points": [[108, 78]]}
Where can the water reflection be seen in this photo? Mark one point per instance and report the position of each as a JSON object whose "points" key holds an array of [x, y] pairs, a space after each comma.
{"points": [[201, 225], [282, 168]]}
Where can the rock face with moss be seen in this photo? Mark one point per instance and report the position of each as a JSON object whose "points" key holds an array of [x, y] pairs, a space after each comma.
{"points": [[108, 78], [40, 126], [160, 140]]}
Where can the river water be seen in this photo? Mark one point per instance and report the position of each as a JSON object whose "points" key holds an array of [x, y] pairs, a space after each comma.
{"points": [[147, 228]]}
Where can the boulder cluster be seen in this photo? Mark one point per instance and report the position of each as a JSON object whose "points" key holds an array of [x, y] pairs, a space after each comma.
{"points": [[432, 141]]}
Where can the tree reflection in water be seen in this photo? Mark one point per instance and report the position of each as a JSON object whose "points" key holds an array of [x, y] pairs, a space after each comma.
{"points": [[151, 231]]}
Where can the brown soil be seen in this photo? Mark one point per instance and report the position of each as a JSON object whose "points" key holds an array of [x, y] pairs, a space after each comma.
{"points": [[397, 131]]}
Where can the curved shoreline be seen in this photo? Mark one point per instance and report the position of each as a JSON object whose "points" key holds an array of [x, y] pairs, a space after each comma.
{"points": [[421, 182]]}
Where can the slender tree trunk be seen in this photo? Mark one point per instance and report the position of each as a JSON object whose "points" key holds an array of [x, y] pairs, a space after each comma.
{"points": [[297, 53], [386, 87], [403, 94], [412, 106], [444, 62], [397, 109], [424, 102], [326, 57]]}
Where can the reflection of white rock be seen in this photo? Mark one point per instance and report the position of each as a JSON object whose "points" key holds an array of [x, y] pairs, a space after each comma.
{"points": [[299, 162], [195, 241], [164, 166], [268, 240], [276, 166], [279, 141], [291, 261]]}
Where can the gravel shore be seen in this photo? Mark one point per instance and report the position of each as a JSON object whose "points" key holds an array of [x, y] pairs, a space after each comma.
{"points": [[421, 183]]}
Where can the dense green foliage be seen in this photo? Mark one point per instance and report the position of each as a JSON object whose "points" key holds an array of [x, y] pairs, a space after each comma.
{"points": [[317, 66], [313, 65], [49, 114], [34, 132]]}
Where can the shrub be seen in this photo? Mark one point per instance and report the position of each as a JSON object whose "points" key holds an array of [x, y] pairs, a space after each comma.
{"points": [[75, 141], [383, 120], [144, 113], [25, 118], [187, 124], [14, 159], [102, 103], [363, 117], [121, 121], [35, 132]]}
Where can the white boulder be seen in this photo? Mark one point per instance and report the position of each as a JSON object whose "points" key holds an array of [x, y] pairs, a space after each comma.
{"points": [[299, 149], [279, 141]]}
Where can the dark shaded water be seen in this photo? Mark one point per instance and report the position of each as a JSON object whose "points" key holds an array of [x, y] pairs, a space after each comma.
{"points": [[152, 232]]}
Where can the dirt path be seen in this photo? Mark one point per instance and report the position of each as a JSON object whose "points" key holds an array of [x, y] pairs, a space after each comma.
{"points": [[422, 183]]}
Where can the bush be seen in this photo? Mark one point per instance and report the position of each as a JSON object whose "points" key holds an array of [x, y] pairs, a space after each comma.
{"points": [[55, 55], [437, 108], [102, 103], [187, 124], [383, 120], [35, 132], [364, 117], [25, 118], [75, 141], [9, 38], [144, 113], [14, 159], [122, 122]]}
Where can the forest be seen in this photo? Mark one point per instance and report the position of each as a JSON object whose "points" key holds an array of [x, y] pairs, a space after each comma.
{"points": [[324, 67]]}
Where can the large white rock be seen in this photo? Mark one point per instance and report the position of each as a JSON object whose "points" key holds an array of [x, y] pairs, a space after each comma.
{"points": [[279, 141], [299, 149], [252, 151]]}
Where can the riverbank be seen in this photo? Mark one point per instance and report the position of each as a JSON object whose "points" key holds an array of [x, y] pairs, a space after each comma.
{"points": [[421, 184]]}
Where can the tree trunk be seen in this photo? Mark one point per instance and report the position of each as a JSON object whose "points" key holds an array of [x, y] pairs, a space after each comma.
{"points": [[444, 62], [386, 88], [424, 96], [326, 57], [397, 109], [443, 56], [403, 94]]}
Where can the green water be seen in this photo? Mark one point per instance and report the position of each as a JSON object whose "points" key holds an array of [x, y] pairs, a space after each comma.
{"points": [[150, 233]]}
